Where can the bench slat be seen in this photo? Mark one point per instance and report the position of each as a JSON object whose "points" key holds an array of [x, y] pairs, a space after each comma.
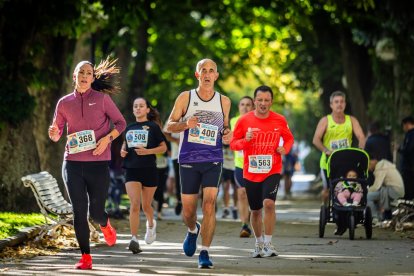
{"points": [[47, 191], [53, 191]]}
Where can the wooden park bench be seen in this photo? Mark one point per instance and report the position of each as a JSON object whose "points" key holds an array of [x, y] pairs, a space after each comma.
{"points": [[52, 204]]}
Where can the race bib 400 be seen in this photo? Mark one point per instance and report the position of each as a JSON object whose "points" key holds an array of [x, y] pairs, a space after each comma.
{"points": [[203, 134], [81, 141]]}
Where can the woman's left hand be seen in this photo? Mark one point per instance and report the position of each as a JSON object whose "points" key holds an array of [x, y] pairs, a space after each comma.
{"points": [[101, 145]]}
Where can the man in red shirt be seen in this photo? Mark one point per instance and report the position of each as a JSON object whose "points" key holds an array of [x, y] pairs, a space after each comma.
{"points": [[259, 134]]}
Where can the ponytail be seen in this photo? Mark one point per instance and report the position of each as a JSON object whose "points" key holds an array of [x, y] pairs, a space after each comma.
{"points": [[106, 77]]}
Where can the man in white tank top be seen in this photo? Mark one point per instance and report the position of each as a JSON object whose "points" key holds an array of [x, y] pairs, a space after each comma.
{"points": [[201, 116]]}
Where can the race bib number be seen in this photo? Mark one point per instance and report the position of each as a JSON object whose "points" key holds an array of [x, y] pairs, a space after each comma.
{"points": [[137, 138], [203, 134], [260, 163], [81, 141], [339, 144]]}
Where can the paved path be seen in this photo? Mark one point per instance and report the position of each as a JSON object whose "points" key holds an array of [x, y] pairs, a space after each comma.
{"points": [[296, 239]]}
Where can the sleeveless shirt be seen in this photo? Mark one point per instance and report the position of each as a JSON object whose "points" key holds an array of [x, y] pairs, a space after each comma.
{"points": [[336, 136], [204, 142], [238, 154]]}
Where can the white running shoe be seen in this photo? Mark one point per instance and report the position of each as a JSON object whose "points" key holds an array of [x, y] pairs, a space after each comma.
{"points": [[269, 250], [258, 250], [151, 233]]}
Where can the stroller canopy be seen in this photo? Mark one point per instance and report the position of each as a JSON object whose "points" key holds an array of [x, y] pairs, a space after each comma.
{"points": [[343, 160]]}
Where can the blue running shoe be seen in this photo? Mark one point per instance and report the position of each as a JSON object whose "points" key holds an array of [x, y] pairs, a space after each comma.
{"points": [[190, 241], [204, 260]]}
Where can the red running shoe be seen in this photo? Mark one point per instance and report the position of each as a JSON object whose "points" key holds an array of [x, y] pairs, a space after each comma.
{"points": [[109, 234], [85, 262]]}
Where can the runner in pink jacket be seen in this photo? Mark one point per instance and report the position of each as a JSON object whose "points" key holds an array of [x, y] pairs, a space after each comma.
{"points": [[88, 114]]}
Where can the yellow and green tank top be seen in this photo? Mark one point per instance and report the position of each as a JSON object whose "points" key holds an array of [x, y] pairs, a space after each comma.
{"points": [[337, 136], [238, 155]]}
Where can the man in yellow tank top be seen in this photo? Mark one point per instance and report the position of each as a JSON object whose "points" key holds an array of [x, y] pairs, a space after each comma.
{"points": [[334, 131]]}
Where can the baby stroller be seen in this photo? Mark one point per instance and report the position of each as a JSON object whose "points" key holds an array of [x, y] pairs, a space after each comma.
{"points": [[347, 217]]}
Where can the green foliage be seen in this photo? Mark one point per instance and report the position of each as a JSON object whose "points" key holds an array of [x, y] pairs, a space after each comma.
{"points": [[11, 223]]}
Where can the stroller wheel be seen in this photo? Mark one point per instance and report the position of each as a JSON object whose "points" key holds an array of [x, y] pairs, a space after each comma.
{"points": [[368, 222], [323, 218], [351, 226]]}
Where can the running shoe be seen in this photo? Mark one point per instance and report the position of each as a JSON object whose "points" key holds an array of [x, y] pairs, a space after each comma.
{"points": [[109, 233], [151, 233], [85, 262], [258, 250], [269, 250], [190, 241], [134, 246], [204, 260], [234, 213], [245, 232], [226, 213], [178, 208]]}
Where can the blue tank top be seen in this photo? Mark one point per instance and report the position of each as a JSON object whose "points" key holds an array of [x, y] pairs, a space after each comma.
{"points": [[204, 142]]}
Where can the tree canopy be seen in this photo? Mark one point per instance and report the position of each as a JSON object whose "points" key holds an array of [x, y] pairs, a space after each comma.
{"points": [[303, 49]]}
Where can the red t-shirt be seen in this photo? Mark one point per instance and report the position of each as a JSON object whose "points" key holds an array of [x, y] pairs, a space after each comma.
{"points": [[260, 156]]}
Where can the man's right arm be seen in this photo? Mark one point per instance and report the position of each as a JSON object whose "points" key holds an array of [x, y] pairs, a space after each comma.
{"points": [[173, 124], [318, 136]]}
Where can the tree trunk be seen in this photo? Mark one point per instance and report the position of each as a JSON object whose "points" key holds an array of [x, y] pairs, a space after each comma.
{"points": [[18, 158], [50, 153], [81, 52], [358, 77], [123, 54], [140, 72]]}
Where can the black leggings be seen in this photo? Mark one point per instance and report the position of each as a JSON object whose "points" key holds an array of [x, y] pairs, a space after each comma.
{"points": [[87, 185], [159, 193]]}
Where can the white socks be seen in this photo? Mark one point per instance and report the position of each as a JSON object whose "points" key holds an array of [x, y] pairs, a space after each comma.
{"points": [[259, 239], [193, 231]]}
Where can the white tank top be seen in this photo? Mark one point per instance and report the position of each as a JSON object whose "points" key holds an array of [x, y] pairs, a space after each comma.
{"points": [[203, 143]]}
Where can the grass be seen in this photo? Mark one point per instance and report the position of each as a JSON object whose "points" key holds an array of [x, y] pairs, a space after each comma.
{"points": [[11, 223]]}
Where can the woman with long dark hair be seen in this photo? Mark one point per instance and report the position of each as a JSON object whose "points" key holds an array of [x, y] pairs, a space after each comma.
{"points": [[88, 113], [143, 140]]}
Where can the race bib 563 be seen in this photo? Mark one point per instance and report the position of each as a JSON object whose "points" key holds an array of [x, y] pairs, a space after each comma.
{"points": [[260, 163]]}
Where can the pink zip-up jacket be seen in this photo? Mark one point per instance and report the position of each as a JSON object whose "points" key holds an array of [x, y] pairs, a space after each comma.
{"points": [[91, 110]]}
